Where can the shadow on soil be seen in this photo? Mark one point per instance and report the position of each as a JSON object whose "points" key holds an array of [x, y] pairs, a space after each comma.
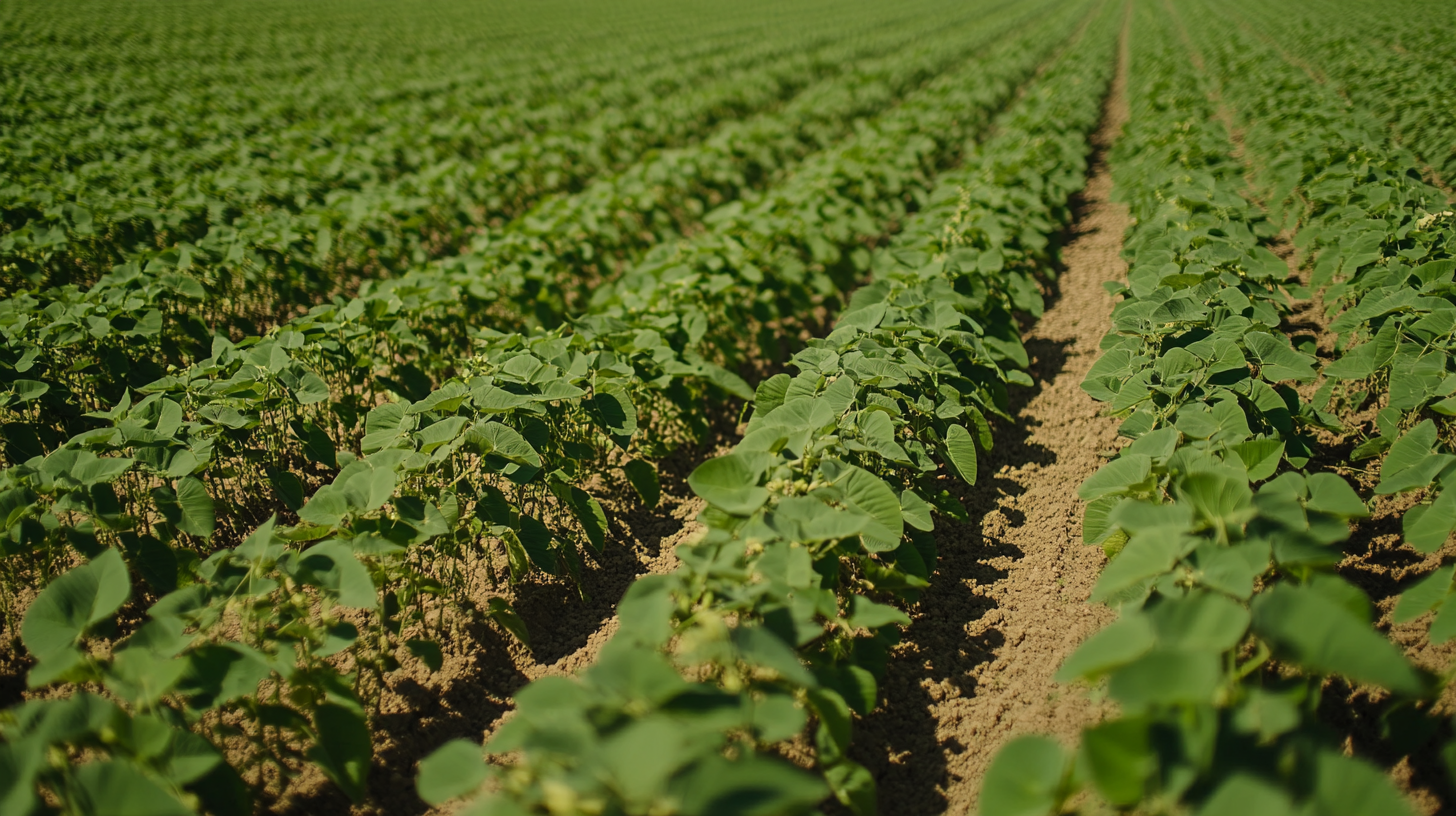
{"points": [[898, 742]]}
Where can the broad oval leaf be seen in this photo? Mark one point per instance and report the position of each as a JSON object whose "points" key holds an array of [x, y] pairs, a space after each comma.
{"points": [[79, 599], [730, 484]]}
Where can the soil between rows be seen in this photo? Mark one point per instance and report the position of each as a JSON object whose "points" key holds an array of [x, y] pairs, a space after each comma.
{"points": [[1008, 604]]}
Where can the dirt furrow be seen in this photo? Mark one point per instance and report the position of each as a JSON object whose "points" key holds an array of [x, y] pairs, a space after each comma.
{"points": [[1008, 603]]}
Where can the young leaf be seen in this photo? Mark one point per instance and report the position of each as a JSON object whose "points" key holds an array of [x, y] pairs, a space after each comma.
{"points": [[643, 477], [960, 449], [119, 787], [451, 771], [1315, 632], [198, 515], [729, 483], [1025, 778], [344, 748], [77, 600], [503, 614], [1425, 595]]}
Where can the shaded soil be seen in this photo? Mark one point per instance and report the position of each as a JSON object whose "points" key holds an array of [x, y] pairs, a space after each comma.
{"points": [[1008, 604]]}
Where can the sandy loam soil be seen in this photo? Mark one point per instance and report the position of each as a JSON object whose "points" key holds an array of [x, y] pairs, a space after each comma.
{"points": [[1008, 604]]}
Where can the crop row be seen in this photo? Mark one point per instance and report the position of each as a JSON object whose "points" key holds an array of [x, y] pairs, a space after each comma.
{"points": [[80, 353], [490, 459], [271, 416], [1222, 518], [819, 521], [1396, 65], [237, 265], [92, 346]]}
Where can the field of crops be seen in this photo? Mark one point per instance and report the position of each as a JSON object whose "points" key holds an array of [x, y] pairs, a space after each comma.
{"points": [[667, 407]]}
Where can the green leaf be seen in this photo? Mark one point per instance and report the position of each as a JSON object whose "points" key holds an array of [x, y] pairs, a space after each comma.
{"points": [[504, 614], [1219, 498], [1353, 787], [536, 538], [1147, 555], [761, 647], [1307, 628], [1443, 628], [729, 483], [868, 493], [198, 514], [1260, 457], [1331, 494], [1427, 527], [1117, 758], [1425, 595], [1244, 794], [1167, 678], [18, 768], [853, 786], [960, 449], [747, 787], [1025, 778], [332, 565], [1124, 641], [79, 599], [643, 477], [770, 393], [613, 410], [494, 438], [871, 615], [118, 788], [1116, 476], [916, 511], [1200, 621], [344, 748], [451, 771]]}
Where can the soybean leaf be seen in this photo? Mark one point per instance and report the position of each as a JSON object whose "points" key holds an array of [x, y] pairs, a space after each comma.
{"points": [[960, 449], [1427, 527], [1313, 631], [343, 748], [1244, 794], [871, 495], [1116, 476], [853, 786], [1025, 778], [643, 477], [452, 770], [119, 788], [1116, 756], [729, 483], [1124, 641], [79, 599], [199, 517], [1425, 595], [503, 614]]}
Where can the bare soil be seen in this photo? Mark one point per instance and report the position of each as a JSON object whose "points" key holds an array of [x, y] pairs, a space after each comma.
{"points": [[1008, 603]]}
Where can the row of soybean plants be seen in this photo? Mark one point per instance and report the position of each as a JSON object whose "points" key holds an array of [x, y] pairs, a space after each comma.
{"points": [[1223, 518], [151, 311], [257, 650], [225, 152], [819, 522], [318, 187], [269, 417], [1396, 64], [65, 359]]}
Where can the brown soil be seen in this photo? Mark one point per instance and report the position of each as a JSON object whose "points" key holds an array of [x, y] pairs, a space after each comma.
{"points": [[1008, 603]]}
